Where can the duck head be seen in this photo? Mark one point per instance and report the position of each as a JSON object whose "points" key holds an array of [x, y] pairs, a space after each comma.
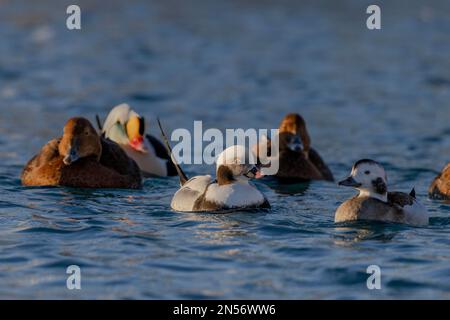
{"points": [[289, 141], [236, 164], [125, 127], [80, 140], [369, 177], [294, 124]]}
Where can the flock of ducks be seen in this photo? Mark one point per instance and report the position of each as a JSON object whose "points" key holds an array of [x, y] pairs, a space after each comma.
{"points": [[121, 154]]}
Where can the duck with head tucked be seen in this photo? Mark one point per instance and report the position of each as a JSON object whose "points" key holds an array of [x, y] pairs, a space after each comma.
{"points": [[127, 128], [81, 158], [230, 191], [298, 161], [374, 202], [440, 187]]}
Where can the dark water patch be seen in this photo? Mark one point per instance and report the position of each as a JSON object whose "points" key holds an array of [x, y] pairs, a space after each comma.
{"points": [[438, 82], [55, 230], [146, 97], [404, 284]]}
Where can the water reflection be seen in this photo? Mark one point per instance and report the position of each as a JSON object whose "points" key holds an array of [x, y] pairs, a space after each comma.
{"points": [[349, 233]]}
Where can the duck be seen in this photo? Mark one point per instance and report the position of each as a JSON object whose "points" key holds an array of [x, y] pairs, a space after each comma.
{"points": [[440, 187], [127, 128], [80, 158], [298, 161], [374, 202], [230, 191]]}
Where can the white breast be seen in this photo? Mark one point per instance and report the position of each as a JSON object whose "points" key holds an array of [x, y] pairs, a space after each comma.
{"points": [[234, 195], [184, 199], [148, 162]]}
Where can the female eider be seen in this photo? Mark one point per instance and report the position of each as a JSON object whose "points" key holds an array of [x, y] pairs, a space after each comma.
{"points": [[81, 158], [440, 187], [374, 202], [230, 191], [127, 128], [298, 161]]}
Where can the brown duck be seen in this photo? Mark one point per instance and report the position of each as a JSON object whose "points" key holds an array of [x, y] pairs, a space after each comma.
{"points": [[440, 187], [81, 158], [297, 159]]}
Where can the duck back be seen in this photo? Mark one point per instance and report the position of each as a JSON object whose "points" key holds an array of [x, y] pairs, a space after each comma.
{"points": [[114, 170]]}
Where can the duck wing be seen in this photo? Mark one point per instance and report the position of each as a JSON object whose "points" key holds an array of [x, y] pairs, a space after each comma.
{"points": [[186, 197], [409, 208], [400, 199], [161, 152], [318, 162], [44, 169], [114, 158]]}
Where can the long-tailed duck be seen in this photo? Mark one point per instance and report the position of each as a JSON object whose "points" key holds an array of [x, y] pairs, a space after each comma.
{"points": [[298, 161], [230, 191], [374, 202], [127, 128], [440, 187], [81, 158]]}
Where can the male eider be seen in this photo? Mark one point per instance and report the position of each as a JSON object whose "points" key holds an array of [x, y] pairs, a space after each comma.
{"points": [[230, 191], [374, 202], [127, 128], [440, 187], [81, 158]]}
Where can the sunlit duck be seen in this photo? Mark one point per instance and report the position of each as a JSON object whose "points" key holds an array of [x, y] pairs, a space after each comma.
{"points": [[127, 128], [297, 159], [374, 202], [440, 187], [230, 191], [81, 158]]}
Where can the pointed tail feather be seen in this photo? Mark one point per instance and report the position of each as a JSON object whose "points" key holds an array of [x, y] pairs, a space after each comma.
{"points": [[181, 174], [413, 193], [99, 123]]}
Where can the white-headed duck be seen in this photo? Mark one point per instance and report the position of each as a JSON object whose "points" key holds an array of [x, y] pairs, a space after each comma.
{"points": [[374, 202]]}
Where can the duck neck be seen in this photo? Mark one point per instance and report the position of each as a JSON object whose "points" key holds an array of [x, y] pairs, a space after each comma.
{"points": [[225, 176], [372, 194]]}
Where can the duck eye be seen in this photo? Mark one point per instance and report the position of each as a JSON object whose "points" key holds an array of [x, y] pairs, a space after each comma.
{"points": [[367, 172], [86, 133]]}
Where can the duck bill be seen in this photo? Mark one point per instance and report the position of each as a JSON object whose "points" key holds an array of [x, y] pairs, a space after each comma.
{"points": [[138, 144], [349, 182], [254, 173], [71, 157]]}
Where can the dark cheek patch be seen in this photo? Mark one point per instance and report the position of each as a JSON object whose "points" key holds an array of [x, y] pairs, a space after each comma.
{"points": [[379, 186]]}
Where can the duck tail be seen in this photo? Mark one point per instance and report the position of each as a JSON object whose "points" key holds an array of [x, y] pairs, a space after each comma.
{"points": [[99, 123], [413, 193], [181, 174]]}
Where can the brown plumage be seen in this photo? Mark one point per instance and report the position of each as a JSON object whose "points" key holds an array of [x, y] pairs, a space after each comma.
{"points": [[81, 158], [440, 187], [304, 163]]}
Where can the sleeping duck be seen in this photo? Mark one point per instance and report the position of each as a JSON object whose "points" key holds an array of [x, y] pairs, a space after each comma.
{"points": [[127, 128], [81, 158], [374, 202], [298, 161], [230, 191], [440, 187]]}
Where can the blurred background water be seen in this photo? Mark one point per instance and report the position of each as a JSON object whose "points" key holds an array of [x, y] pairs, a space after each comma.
{"points": [[232, 64]]}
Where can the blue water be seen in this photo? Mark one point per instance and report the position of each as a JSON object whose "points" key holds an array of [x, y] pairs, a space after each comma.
{"points": [[379, 94]]}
